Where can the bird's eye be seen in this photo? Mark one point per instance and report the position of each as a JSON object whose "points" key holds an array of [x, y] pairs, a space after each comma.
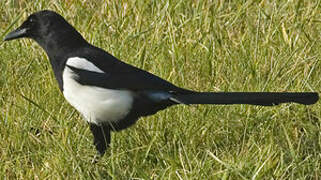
{"points": [[32, 20]]}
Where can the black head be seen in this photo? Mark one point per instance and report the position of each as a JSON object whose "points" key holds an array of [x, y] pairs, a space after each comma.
{"points": [[47, 28]]}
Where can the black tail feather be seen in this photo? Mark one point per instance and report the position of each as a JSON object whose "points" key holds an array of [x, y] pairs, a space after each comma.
{"points": [[252, 98]]}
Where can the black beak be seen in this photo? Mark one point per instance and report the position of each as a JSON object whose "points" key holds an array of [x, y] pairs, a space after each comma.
{"points": [[18, 33]]}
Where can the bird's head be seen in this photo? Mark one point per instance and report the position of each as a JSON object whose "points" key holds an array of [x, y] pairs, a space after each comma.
{"points": [[36, 26], [46, 27]]}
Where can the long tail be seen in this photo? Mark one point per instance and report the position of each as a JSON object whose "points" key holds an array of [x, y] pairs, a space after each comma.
{"points": [[253, 98]]}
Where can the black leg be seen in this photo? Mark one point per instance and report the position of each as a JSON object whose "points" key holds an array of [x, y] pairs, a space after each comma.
{"points": [[101, 137]]}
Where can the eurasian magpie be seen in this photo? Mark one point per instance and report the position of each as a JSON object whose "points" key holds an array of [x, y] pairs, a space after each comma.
{"points": [[113, 95]]}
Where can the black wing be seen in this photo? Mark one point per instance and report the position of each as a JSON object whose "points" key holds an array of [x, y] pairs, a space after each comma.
{"points": [[119, 75]]}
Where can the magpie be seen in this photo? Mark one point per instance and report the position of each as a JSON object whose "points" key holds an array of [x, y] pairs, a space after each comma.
{"points": [[112, 95]]}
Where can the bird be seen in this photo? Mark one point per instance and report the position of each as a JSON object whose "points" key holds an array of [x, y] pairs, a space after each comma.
{"points": [[112, 95]]}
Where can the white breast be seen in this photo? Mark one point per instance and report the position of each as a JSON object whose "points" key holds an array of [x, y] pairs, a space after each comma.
{"points": [[96, 104]]}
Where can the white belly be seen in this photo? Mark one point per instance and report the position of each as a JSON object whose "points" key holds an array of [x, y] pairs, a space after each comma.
{"points": [[96, 104]]}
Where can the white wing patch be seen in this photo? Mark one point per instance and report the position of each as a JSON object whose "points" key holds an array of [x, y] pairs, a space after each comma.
{"points": [[84, 64], [96, 104]]}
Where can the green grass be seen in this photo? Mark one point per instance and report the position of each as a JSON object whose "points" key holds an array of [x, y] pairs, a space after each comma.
{"points": [[201, 45]]}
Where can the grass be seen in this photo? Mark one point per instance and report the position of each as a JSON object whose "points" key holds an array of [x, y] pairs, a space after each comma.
{"points": [[201, 45]]}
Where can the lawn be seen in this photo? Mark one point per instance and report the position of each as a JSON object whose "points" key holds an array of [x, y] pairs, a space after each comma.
{"points": [[272, 46]]}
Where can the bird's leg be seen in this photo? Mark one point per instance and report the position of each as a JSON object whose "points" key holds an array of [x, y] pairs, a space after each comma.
{"points": [[101, 137]]}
